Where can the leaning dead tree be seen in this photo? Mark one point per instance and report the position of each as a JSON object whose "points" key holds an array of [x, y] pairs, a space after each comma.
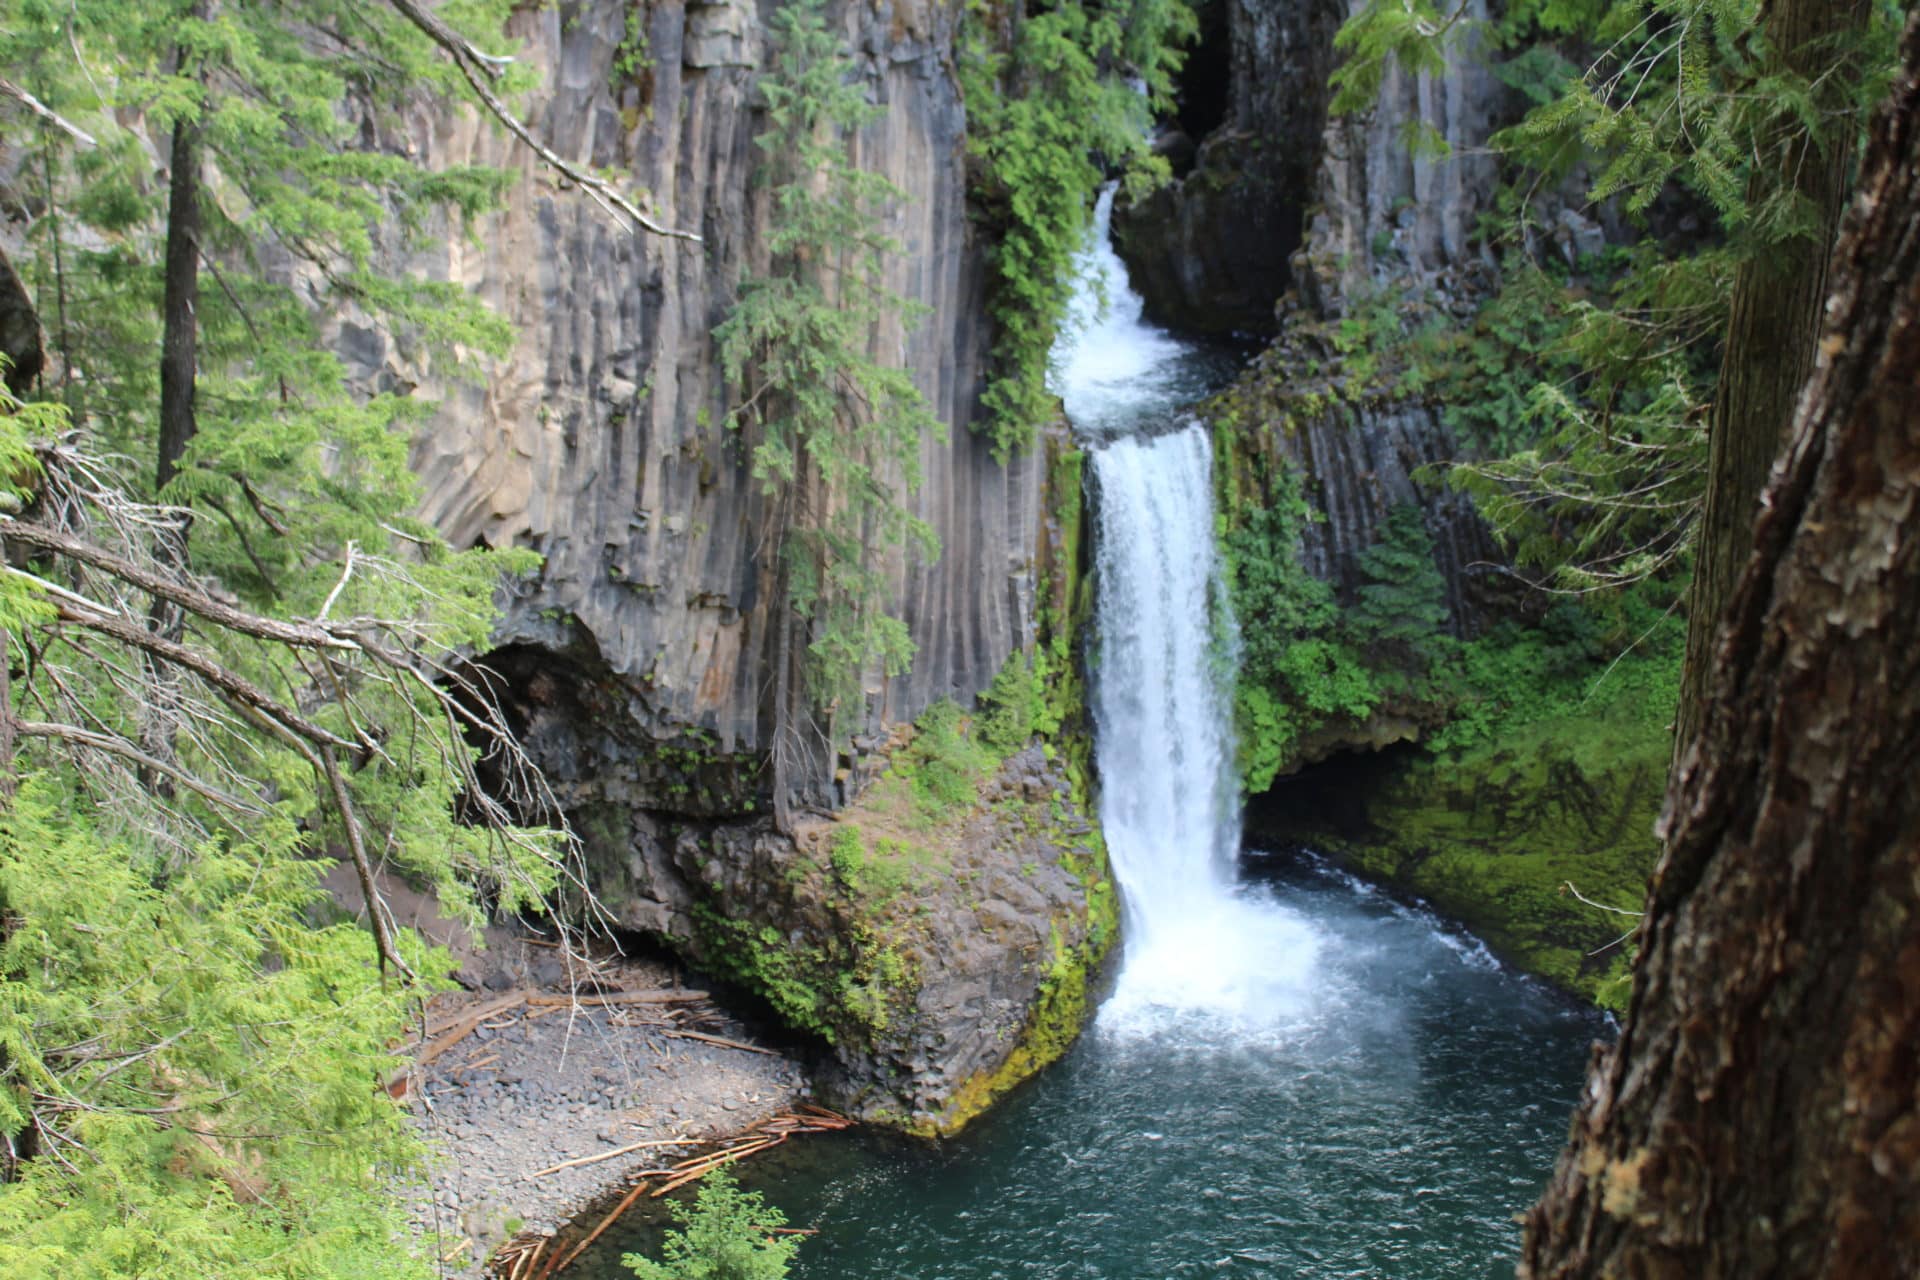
{"points": [[1760, 1116], [377, 707]]}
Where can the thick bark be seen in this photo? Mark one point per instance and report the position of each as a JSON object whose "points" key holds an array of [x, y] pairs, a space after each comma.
{"points": [[1760, 1116], [179, 343], [1770, 334], [19, 331]]}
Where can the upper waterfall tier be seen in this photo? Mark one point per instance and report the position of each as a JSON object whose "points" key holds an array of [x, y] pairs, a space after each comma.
{"points": [[1115, 373]]}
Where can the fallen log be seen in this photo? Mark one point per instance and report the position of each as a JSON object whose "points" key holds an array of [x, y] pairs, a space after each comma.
{"points": [[605, 1222], [722, 1041]]}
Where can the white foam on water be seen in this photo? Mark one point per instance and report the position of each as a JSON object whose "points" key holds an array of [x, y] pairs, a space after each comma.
{"points": [[1200, 956], [1110, 365]]}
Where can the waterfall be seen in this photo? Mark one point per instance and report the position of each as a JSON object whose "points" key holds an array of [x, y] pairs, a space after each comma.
{"points": [[1195, 945]]}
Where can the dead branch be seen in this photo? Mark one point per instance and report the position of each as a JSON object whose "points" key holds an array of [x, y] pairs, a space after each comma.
{"points": [[630, 1148], [102, 561], [479, 70], [127, 751], [41, 109], [294, 634]]}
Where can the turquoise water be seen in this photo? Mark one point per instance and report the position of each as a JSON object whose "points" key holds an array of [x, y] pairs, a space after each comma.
{"points": [[1389, 1122], [1293, 1076]]}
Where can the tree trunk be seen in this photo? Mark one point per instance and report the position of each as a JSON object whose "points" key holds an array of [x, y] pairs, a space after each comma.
{"points": [[179, 343], [1759, 1118], [179, 366], [1770, 335], [19, 331]]}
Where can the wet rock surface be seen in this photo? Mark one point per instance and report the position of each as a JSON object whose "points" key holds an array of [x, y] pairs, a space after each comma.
{"points": [[1210, 251], [939, 958]]}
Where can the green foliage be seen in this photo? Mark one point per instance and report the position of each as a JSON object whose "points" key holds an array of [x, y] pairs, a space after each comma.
{"points": [[727, 1234], [1308, 662], [1402, 601], [1615, 658], [1585, 399], [293, 226], [187, 1056], [847, 855], [942, 764], [762, 960], [1299, 667], [836, 433], [1586, 391], [199, 1056], [633, 56], [1052, 106], [1015, 706]]}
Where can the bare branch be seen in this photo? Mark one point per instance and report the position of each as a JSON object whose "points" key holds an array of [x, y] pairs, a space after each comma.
{"points": [[299, 635], [9, 89], [127, 751], [479, 69]]}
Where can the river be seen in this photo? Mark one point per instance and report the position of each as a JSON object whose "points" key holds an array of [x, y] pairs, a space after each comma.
{"points": [[1293, 1075]]}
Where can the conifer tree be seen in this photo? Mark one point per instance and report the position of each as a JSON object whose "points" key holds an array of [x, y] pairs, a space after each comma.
{"points": [[835, 432], [190, 734]]}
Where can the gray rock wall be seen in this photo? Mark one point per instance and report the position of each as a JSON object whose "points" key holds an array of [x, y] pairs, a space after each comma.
{"points": [[1210, 253], [1356, 464], [1380, 221], [600, 441], [1387, 213]]}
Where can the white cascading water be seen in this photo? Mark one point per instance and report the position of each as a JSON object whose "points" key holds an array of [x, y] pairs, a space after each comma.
{"points": [[1195, 945]]}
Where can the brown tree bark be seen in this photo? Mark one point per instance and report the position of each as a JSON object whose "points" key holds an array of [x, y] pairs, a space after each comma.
{"points": [[1770, 334], [1759, 1118], [179, 308]]}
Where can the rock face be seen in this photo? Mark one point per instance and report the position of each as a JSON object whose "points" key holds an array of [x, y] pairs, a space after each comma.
{"points": [[937, 954], [1210, 252], [1388, 213], [1360, 222], [1381, 223], [942, 961], [601, 442], [1357, 460], [635, 665]]}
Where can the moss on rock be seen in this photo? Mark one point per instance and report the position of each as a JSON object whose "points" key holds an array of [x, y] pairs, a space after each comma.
{"points": [[1499, 837]]}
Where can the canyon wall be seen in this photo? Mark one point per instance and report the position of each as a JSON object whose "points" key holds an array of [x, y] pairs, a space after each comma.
{"points": [[1368, 228], [636, 664], [601, 441]]}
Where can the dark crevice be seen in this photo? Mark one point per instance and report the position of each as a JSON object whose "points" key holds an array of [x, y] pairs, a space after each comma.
{"points": [[1330, 796], [1204, 90]]}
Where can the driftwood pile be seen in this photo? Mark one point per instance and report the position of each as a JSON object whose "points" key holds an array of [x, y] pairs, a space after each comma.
{"points": [[521, 1258]]}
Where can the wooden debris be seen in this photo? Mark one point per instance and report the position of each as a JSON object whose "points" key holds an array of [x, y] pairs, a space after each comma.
{"points": [[619, 998], [475, 1013], [722, 1041], [770, 1132], [608, 1155], [625, 1203]]}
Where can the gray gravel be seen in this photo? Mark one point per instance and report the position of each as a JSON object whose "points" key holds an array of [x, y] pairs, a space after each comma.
{"points": [[555, 1084]]}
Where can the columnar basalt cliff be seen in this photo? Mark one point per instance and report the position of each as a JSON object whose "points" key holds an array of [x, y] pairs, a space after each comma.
{"points": [[601, 441], [1210, 252], [1351, 219], [636, 663]]}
